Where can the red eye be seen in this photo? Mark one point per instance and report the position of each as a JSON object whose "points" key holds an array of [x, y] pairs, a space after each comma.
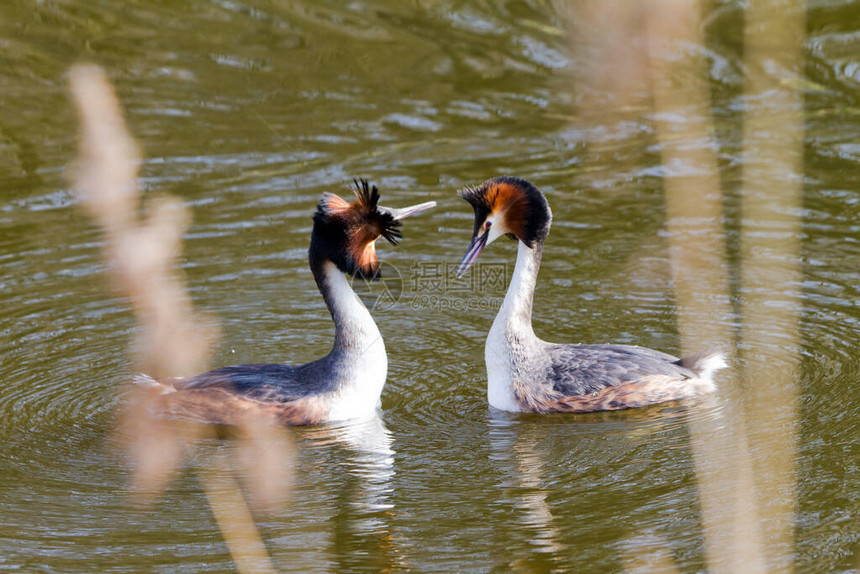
{"points": [[487, 225]]}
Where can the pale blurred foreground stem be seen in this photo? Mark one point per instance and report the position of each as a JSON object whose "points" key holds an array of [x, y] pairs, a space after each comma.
{"points": [[745, 500], [697, 248], [141, 254], [171, 341], [233, 517], [771, 203]]}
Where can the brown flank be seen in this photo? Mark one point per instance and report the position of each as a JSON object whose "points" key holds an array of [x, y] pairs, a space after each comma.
{"points": [[648, 390], [219, 406]]}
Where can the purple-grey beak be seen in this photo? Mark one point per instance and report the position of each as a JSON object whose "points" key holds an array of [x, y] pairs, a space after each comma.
{"points": [[475, 247]]}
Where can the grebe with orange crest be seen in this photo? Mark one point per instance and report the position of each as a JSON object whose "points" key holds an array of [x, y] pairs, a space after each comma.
{"points": [[346, 383], [527, 374]]}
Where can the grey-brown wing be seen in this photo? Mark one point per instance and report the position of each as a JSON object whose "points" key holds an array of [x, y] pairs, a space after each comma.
{"points": [[584, 369], [261, 382]]}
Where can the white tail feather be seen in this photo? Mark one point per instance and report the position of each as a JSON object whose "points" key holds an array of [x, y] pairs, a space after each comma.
{"points": [[150, 383], [705, 365]]}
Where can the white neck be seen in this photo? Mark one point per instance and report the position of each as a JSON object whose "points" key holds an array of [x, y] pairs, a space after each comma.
{"points": [[511, 339], [516, 311], [354, 326], [359, 352]]}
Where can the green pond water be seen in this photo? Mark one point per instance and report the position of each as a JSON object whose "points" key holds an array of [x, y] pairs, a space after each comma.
{"points": [[247, 110]]}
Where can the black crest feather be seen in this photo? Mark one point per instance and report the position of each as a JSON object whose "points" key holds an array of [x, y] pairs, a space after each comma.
{"points": [[368, 196], [384, 222], [476, 196]]}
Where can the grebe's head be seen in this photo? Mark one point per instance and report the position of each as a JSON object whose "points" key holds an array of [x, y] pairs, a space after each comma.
{"points": [[345, 232], [505, 206]]}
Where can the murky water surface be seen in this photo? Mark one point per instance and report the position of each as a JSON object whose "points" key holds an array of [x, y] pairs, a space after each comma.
{"points": [[248, 110]]}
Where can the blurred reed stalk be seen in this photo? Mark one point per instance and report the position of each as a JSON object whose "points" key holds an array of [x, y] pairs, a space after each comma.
{"points": [[697, 250], [234, 518], [171, 341], [745, 500], [771, 203]]}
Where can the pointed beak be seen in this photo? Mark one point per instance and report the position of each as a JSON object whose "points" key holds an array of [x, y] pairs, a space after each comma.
{"points": [[405, 212], [475, 247]]}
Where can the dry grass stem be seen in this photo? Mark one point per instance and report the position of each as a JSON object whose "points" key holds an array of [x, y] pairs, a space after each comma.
{"points": [[234, 519], [172, 341], [724, 466], [771, 202], [266, 454]]}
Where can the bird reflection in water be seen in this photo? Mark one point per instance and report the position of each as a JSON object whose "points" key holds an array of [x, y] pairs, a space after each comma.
{"points": [[364, 512]]}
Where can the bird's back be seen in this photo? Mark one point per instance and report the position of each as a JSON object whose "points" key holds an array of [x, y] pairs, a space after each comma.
{"points": [[587, 378], [585, 369], [265, 382], [240, 394]]}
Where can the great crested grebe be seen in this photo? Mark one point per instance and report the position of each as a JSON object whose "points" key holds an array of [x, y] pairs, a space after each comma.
{"points": [[346, 383], [526, 374]]}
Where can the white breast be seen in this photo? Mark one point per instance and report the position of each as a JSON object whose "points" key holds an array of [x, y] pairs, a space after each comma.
{"points": [[514, 316], [360, 398], [367, 361], [499, 377]]}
